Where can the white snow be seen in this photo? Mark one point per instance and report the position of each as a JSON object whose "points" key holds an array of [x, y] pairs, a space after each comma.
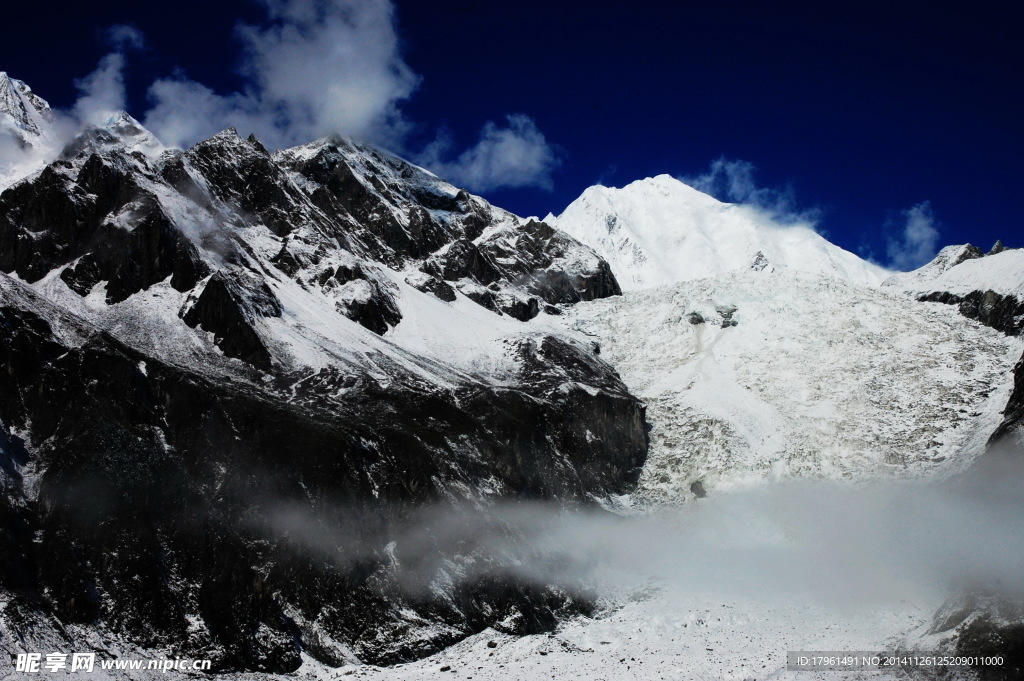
{"points": [[660, 231], [28, 137], [948, 257], [819, 378], [1002, 273], [22, 108], [668, 636]]}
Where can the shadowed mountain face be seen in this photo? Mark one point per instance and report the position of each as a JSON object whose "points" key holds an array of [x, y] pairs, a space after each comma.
{"points": [[233, 379]]}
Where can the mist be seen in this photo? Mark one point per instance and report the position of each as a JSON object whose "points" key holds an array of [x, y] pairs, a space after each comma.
{"points": [[843, 544]]}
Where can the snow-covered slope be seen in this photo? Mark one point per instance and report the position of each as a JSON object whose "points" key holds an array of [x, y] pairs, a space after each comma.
{"points": [[1001, 272], [754, 376], [687, 638], [660, 231], [22, 110], [27, 130], [948, 257]]}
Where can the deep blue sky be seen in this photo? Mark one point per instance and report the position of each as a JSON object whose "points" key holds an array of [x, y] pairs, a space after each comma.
{"points": [[864, 110]]}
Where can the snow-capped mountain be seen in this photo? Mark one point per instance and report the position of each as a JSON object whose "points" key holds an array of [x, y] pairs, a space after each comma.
{"points": [[230, 375], [948, 257], [988, 288], [661, 231], [120, 131], [28, 133], [755, 374], [23, 114], [764, 352], [963, 269]]}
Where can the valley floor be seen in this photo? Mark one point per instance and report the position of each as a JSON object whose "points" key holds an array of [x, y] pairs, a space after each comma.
{"points": [[667, 636]]}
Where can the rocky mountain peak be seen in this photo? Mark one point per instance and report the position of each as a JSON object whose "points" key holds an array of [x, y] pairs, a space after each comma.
{"points": [[946, 259], [120, 132]]}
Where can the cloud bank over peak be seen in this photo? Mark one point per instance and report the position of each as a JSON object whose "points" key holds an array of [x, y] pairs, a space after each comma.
{"points": [[513, 156], [312, 68], [102, 92], [316, 67], [732, 180]]}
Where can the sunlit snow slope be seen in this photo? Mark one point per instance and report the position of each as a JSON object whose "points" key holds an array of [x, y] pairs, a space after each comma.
{"points": [[659, 231], [755, 376]]}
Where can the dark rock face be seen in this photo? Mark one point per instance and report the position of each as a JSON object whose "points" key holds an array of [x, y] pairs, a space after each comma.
{"points": [[970, 252], [363, 295], [983, 637], [229, 309], [727, 313], [1004, 313], [518, 308], [435, 286], [377, 310], [102, 222], [530, 255], [1013, 415], [104, 216], [242, 174], [463, 260], [162, 473], [983, 624]]}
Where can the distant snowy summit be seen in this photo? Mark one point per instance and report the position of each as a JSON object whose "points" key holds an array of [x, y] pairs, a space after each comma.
{"points": [[965, 268], [660, 231], [24, 115], [118, 130], [32, 135]]}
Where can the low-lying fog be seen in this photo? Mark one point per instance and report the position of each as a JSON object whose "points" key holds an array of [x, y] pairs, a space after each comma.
{"points": [[849, 543]]}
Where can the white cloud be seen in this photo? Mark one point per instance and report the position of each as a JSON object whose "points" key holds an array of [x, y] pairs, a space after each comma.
{"points": [[514, 156], [314, 68], [732, 180], [918, 241], [317, 67], [101, 93], [186, 111]]}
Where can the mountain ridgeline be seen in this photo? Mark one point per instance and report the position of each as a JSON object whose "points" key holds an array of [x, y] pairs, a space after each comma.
{"points": [[233, 379]]}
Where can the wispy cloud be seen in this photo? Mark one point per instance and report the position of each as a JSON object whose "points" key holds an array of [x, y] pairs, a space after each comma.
{"points": [[314, 68], [516, 155], [918, 239], [320, 67], [102, 92], [733, 181], [125, 36]]}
